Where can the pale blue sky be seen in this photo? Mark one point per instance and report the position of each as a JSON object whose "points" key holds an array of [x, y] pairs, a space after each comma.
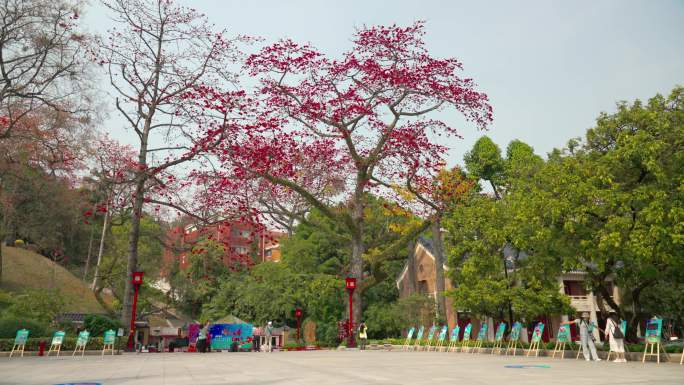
{"points": [[549, 67]]}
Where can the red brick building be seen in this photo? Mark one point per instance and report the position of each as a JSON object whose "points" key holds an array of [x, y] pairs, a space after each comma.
{"points": [[243, 243]]}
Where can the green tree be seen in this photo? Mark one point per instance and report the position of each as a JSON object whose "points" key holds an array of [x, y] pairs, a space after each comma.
{"points": [[612, 204]]}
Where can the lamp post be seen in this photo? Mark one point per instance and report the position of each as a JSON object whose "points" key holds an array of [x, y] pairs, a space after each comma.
{"points": [[137, 281], [351, 285], [298, 315]]}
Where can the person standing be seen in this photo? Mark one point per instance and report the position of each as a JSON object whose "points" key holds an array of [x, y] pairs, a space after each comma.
{"points": [[586, 337], [268, 333], [202, 338], [363, 336], [616, 337]]}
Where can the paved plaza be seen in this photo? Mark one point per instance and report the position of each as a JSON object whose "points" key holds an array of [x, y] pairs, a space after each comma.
{"points": [[329, 367]]}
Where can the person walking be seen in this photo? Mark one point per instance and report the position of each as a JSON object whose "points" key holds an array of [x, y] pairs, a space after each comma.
{"points": [[363, 336], [202, 338], [268, 333], [616, 337], [586, 337]]}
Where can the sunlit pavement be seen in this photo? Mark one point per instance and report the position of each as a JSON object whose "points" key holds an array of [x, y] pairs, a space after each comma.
{"points": [[329, 367]]}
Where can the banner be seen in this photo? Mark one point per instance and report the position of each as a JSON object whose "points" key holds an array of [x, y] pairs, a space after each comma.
{"points": [[109, 337], [563, 334], [410, 333], [420, 333], [482, 334], [654, 330], [454, 334], [21, 337], [442, 334], [515, 331], [466, 332], [537, 334], [500, 332], [58, 338], [83, 337], [223, 335]]}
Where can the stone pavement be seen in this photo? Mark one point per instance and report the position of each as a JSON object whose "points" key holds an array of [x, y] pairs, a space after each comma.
{"points": [[329, 367]]}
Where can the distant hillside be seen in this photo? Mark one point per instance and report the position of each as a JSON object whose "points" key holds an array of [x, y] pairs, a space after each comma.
{"points": [[23, 269]]}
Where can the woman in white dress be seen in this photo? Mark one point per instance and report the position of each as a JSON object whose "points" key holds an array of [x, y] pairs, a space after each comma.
{"points": [[616, 337]]}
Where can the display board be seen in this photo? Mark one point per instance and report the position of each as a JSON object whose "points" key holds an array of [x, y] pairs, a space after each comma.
{"points": [[58, 338], [654, 330], [563, 334], [21, 337], [515, 331], [109, 337], [420, 333], [466, 332], [83, 337], [500, 330], [443, 333], [537, 333], [223, 335], [409, 335], [482, 334], [454, 333]]}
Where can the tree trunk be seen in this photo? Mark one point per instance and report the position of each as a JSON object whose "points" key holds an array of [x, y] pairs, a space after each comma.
{"points": [[96, 278], [90, 251], [134, 235], [439, 270]]}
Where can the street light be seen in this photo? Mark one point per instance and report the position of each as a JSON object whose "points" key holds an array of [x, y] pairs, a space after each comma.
{"points": [[298, 315], [137, 281], [351, 285]]}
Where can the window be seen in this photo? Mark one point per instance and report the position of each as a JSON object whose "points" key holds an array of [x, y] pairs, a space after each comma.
{"points": [[422, 287], [574, 288]]}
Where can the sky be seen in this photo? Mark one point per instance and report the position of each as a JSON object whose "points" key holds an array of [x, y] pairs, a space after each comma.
{"points": [[549, 67]]}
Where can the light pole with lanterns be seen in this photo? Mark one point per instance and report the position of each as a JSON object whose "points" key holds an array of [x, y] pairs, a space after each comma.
{"points": [[137, 281], [298, 315], [351, 285]]}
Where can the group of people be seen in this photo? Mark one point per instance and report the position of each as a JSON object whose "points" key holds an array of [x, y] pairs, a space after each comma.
{"points": [[616, 337]]}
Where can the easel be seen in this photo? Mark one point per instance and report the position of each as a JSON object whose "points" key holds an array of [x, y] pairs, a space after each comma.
{"points": [[20, 342], [512, 345], [653, 334], [81, 343], [534, 346], [54, 347], [430, 337], [407, 342], [440, 340], [56, 343], [79, 347], [465, 344], [650, 353], [560, 347], [481, 335], [453, 341], [416, 344], [681, 360], [18, 348], [536, 340], [498, 346]]}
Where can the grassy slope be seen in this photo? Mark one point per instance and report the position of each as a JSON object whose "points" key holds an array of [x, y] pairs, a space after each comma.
{"points": [[23, 269]]}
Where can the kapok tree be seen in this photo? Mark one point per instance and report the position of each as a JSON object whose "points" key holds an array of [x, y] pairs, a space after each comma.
{"points": [[359, 116], [157, 52]]}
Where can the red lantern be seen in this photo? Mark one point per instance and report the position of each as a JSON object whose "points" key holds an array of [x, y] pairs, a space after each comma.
{"points": [[351, 283], [138, 277], [137, 281]]}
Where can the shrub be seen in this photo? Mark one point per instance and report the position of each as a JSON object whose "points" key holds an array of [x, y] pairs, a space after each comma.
{"points": [[10, 325], [98, 324]]}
